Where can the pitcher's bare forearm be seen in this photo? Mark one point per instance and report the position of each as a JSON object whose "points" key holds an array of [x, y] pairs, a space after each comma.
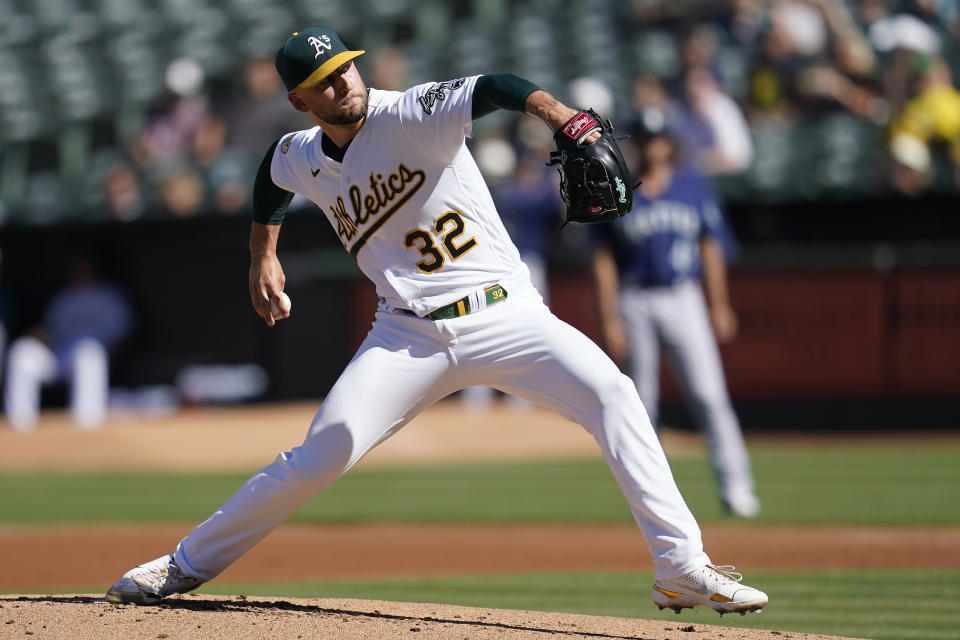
{"points": [[266, 278], [548, 109], [263, 239], [554, 113]]}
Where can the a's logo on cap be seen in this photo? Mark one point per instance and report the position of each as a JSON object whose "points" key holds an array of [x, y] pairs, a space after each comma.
{"points": [[319, 44]]}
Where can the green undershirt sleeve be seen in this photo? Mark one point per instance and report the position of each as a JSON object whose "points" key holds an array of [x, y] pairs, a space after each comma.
{"points": [[500, 91], [270, 202], [492, 92]]}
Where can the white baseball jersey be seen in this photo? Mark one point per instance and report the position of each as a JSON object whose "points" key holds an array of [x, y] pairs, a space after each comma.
{"points": [[422, 208], [409, 203]]}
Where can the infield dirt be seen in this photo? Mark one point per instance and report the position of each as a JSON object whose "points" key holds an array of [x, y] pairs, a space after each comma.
{"points": [[81, 556], [239, 618]]}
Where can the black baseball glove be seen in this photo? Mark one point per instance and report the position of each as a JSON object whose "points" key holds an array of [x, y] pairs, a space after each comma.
{"points": [[594, 179]]}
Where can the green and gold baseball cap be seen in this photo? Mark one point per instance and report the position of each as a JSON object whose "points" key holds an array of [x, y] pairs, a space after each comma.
{"points": [[308, 56]]}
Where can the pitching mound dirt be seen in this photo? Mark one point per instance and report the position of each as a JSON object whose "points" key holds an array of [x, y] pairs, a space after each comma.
{"points": [[82, 617]]}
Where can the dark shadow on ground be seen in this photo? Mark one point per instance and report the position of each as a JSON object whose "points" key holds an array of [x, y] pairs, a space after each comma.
{"points": [[243, 604]]}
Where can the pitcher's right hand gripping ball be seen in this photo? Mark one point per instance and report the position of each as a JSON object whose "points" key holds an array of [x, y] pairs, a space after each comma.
{"points": [[594, 179]]}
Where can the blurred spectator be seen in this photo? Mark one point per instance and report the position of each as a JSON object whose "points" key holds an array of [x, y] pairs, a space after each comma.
{"points": [[899, 31], [848, 46], [124, 200], [727, 147], [814, 58], [772, 77], [745, 23], [182, 125], [83, 323], [927, 132], [389, 69], [712, 131], [592, 93], [181, 133], [182, 191], [650, 99], [257, 109], [899, 37], [229, 182], [700, 47]]}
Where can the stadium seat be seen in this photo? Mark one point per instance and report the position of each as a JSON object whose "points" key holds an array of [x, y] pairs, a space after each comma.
{"points": [[136, 64], [534, 50], [657, 53], [78, 94], [107, 60], [54, 14], [769, 175], [848, 149], [118, 15], [21, 122]]}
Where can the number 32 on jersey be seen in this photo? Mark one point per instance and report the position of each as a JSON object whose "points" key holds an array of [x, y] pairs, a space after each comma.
{"points": [[447, 229]]}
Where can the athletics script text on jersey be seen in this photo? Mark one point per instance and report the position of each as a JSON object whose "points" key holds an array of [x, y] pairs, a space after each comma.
{"points": [[369, 210]]}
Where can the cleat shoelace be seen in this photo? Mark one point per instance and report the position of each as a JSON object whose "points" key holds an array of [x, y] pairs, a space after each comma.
{"points": [[728, 571]]}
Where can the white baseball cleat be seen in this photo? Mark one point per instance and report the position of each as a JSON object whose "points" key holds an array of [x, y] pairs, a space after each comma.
{"points": [[151, 582], [710, 586]]}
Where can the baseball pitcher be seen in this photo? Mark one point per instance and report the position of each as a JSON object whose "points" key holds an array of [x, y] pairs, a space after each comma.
{"points": [[391, 172]]}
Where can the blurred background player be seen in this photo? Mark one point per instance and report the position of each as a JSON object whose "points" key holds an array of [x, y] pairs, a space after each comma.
{"points": [[648, 268], [82, 323]]}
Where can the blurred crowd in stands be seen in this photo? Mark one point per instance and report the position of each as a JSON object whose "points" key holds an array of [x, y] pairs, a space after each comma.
{"points": [[776, 100]]}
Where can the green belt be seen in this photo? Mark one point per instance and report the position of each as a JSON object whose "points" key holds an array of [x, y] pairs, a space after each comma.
{"points": [[461, 307]]}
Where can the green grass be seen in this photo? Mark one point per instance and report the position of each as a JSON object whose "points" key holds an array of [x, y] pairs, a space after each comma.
{"points": [[843, 485], [855, 485], [877, 604]]}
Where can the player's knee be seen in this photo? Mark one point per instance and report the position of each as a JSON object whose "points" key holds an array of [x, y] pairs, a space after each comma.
{"points": [[24, 348], [89, 359], [613, 394], [88, 349], [322, 458], [29, 356], [619, 390]]}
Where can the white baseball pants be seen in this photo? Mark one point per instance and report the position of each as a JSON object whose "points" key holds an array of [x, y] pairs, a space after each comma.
{"points": [[32, 364], [677, 318], [481, 397], [406, 364]]}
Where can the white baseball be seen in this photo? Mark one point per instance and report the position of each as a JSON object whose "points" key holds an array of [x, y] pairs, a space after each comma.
{"points": [[281, 310]]}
